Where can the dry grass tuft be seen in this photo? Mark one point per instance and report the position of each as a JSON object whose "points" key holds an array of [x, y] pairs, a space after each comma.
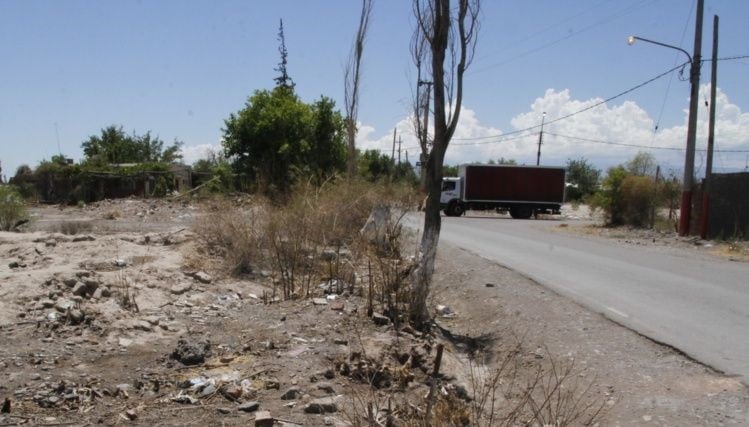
{"points": [[74, 227]]}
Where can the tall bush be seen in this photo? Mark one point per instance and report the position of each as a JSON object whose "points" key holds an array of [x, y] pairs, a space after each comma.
{"points": [[12, 208]]}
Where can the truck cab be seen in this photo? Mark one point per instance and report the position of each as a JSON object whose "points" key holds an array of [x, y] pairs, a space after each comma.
{"points": [[450, 196]]}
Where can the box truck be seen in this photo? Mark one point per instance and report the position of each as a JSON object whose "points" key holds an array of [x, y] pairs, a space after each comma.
{"points": [[523, 191]]}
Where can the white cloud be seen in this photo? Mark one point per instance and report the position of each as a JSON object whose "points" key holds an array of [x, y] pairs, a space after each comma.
{"points": [[193, 153], [622, 123]]}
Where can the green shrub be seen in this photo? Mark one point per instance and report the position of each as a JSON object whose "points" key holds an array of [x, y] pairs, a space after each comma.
{"points": [[639, 199], [12, 208], [626, 198]]}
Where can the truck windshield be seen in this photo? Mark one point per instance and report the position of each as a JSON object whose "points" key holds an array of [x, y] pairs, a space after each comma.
{"points": [[448, 185]]}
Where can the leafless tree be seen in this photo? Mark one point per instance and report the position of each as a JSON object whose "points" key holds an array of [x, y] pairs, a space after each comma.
{"points": [[352, 77], [449, 35]]}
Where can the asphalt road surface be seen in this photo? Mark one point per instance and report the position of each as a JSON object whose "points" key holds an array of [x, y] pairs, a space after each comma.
{"points": [[693, 302]]}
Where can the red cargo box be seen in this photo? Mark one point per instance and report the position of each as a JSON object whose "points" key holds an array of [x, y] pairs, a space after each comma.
{"points": [[513, 183]]}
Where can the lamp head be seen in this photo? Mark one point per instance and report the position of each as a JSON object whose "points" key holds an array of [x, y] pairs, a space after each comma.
{"points": [[631, 40]]}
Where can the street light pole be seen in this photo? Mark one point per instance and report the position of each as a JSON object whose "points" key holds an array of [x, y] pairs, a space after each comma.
{"points": [[540, 140], [694, 79]]}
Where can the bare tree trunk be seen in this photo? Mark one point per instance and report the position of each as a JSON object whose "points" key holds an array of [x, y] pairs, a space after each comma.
{"points": [[434, 20], [352, 76]]}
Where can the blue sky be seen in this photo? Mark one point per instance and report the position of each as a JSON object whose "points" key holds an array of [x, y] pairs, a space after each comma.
{"points": [[179, 68]]}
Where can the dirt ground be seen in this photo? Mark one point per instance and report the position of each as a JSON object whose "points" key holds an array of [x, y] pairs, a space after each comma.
{"points": [[101, 322]]}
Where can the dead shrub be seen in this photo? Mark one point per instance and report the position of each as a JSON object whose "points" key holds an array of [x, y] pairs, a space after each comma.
{"points": [[74, 227], [517, 391], [124, 293], [321, 223], [233, 234], [112, 215]]}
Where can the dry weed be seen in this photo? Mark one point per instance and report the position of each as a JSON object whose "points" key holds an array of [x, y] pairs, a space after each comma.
{"points": [[233, 234], [73, 227]]}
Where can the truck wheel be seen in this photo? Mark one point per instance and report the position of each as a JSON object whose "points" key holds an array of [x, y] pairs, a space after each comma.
{"points": [[450, 209], [458, 209], [521, 212]]}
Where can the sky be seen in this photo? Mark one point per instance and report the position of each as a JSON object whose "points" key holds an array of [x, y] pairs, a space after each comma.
{"points": [[180, 68]]}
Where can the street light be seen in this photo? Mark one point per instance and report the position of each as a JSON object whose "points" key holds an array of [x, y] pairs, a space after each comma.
{"points": [[694, 79], [632, 39]]}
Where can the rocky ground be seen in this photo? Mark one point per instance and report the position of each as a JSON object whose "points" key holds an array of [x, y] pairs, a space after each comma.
{"points": [[103, 322]]}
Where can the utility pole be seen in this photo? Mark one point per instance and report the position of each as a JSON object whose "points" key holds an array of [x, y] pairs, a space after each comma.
{"points": [[540, 139], [694, 77], [392, 155], [654, 207], [399, 150], [705, 225]]}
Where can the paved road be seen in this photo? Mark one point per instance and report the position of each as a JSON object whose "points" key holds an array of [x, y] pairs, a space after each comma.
{"points": [[697, 304]]}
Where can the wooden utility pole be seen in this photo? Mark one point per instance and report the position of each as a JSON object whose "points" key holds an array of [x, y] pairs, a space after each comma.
{"points": [[392, 155], [540, 140], [694, 77], [399, 149], [654, 208], [705, 224]]}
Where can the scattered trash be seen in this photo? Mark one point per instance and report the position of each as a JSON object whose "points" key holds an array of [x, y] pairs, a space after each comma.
{"points": [[445, 311], [184, 399]]}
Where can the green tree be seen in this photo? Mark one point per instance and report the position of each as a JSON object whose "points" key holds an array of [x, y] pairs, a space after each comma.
{"points": [[12, 208], [448, 170], [609, 197], [269, 138], [502, 161], [113, 145], [584, 178], [327, 145], [642, 164], [375, 166]]}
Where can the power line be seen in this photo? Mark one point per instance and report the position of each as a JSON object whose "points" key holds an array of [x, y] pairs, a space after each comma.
{"points": [[546, 45], [499, 139], [599, 141], [590, 107], [671, 79]]}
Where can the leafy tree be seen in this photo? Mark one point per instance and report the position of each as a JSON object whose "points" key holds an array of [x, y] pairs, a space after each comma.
{"points": [[502, 161], [609, 197], [328, 149], [642, 164], [375, 166], [115, 146], [629, 195], [269, 137], [59, 159], [448, 170], [23, 180], [584, 178], [276, 138], [404, 172]]}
